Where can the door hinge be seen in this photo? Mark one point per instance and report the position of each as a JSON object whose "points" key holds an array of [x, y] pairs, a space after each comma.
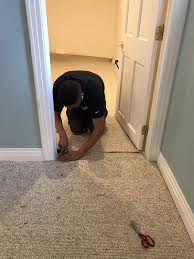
{"points": [[144, 130], [159, 33]]}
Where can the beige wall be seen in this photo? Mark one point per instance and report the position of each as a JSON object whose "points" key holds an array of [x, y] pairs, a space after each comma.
{"points": [[83, 27]]}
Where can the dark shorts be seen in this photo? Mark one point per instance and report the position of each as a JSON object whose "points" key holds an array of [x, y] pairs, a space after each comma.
{"points": [[80, 120]]}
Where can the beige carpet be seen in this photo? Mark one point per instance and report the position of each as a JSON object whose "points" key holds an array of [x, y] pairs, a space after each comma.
{"points": [[113, 140], [83, 210]]}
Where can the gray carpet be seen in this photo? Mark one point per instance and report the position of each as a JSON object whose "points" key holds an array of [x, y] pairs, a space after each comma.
{"points": [[82, 210], [114, 139]]}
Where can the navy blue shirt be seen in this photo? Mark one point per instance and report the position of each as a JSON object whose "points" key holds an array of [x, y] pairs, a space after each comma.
{"points": [[93, 88]]}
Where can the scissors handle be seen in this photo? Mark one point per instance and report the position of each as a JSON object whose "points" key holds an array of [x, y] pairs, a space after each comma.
{"points": [[146, 241]]}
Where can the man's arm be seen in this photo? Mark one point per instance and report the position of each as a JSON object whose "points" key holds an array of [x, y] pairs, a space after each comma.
{"points": [[99, 126], [63, 140]]}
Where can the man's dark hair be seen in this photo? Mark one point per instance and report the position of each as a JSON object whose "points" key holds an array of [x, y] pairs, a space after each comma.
{"points": [[69, 91]]}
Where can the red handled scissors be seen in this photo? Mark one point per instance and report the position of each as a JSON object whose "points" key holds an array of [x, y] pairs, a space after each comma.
{"points": [[146, 240]]}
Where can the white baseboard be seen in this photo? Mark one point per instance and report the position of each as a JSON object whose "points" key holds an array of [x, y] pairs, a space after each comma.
{"points": [[21, 154], [178, 196]]}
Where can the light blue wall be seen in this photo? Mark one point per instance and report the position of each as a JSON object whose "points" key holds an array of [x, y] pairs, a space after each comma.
{"points": [[178, 139], [19, 127]]}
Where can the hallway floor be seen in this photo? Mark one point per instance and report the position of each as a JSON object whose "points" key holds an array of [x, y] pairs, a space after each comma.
{"points": [[83, 209]]}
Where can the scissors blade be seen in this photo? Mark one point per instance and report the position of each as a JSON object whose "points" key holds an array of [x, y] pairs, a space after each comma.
{"points": [[135, 226]]}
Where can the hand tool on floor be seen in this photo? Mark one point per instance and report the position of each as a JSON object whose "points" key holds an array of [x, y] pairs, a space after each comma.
{"points": [[146, 240]]}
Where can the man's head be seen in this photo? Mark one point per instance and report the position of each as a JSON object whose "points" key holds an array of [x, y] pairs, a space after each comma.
{"points": [[70, 93]]}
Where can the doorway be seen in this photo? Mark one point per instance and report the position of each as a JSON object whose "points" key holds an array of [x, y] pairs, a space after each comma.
{"points": [[94, 47], [79, 40], [37, 24]]}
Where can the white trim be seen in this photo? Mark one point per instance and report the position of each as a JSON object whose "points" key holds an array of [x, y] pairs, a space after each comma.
{"points": [[176, 15], [21, 154], [37, 25], [177, 195]]}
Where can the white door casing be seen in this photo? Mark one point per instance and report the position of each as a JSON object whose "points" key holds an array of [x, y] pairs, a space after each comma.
{"points": [[38, 33], [140, 19]]}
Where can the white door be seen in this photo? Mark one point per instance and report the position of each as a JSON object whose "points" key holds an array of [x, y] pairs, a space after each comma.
{"points": [[141, 17]]}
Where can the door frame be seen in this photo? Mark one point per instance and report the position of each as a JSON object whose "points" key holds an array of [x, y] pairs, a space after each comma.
{"points": [[170, 50], [38, 33], [39, 42]]}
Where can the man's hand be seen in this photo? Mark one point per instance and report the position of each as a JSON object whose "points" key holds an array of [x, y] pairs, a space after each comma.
{"points": [[71, 156], [63, 144], [99, 125], [63, 140]]}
